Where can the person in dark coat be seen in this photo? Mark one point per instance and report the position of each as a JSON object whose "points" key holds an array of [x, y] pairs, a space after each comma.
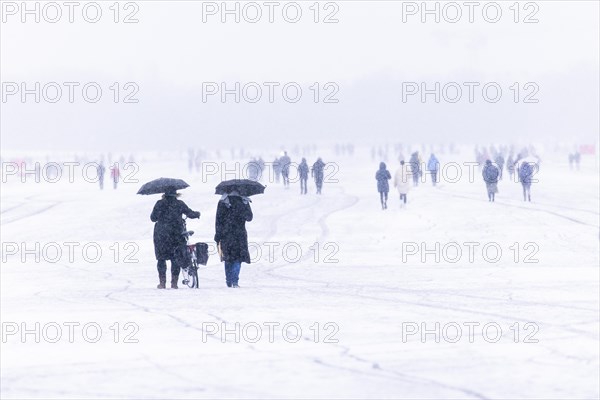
{"points": [[233, 211], [303, 173], [168, 229], [491, 175], [415, 164], [383, 187], [526, 170], [101, 170], [318, 172]]}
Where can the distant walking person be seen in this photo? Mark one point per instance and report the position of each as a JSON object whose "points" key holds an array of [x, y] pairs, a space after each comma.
{"points": [[276, 169], [101, 170], [415, 165], [168, 227], [402, 181], [303, 173], [285, 169], [383, 187], [318, 173], [433, 166], [510, 166], [526, 171], [491, 174], [115, 173], [500, 164], [577, 159], [233, 211]]}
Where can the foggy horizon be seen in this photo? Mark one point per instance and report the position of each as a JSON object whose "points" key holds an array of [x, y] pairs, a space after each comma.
{"points": [[365, 56]]}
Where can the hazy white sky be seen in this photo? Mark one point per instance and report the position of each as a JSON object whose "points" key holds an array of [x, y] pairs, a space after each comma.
{"points": [[171, 51]]}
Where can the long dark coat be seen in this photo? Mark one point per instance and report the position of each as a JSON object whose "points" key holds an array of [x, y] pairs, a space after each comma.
{"points": [[303, 170], [169, 225], [383, 176], [230, 229], [318, 169]]}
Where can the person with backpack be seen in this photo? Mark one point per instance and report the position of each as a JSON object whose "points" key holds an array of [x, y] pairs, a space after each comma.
{"points": [[383, 187], [303, 173], [490, 176], [318, 173], [526, 169]]}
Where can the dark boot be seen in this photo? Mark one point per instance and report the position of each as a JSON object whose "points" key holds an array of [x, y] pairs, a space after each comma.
{"points": [[174, 280], [162, 280]]}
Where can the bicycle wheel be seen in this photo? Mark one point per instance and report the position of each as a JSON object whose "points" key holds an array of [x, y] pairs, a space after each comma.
{"points": [[193, 278], [194, 275], [186, 277]]}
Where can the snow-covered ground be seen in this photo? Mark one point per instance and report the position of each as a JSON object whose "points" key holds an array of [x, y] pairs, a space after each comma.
{"points": [[348, 281]]}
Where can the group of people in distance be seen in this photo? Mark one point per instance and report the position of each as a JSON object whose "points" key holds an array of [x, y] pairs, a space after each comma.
{"points": [[524, 168], [282, 166], [402, 182], [407, 172]]}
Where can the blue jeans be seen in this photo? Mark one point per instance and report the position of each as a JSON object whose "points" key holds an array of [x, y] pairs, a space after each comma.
{"points": [[232, 272]]}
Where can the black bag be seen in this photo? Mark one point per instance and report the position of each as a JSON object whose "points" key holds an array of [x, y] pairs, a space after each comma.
{"points": [[202, 253]]}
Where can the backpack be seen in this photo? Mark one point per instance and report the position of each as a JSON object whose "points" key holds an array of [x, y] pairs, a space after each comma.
{"points": [[526, 171], [201, 253], [490, 174]]}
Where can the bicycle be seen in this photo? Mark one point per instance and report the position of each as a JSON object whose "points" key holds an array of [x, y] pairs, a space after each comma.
{"points": [[191, 256]]}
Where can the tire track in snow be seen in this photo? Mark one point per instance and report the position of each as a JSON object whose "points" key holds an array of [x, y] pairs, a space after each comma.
{"points": [[345, 350], [325, 232], [3, 221], [540, 210], [111, 296]]}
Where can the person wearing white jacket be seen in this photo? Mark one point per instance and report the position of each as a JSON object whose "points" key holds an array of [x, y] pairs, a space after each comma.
{"points": [[402, 180]]}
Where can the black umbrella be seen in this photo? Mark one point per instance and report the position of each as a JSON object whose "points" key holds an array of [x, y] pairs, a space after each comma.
{"points": [[162, 185], [245, 187]]}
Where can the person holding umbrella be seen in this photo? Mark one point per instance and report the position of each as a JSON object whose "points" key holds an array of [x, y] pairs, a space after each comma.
{"points": [[169, 226], [233, 211]]}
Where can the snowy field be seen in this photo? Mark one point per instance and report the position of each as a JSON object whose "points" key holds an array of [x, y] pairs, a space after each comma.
{"points": [[352, 290]]}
